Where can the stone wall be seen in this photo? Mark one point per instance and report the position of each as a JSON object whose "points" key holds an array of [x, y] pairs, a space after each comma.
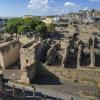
{"points": [[82, 74], [28, 65], [9, 53]]}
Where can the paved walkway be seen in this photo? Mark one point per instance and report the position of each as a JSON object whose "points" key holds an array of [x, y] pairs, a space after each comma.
{"points": [[65, 89], [14, 74], [52, 93]]}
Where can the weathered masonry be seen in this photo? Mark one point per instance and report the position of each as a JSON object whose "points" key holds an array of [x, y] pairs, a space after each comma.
{"points": [[82, 54], [28, 63], [9, 53]]}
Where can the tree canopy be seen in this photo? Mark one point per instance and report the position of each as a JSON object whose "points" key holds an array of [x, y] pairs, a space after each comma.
{"points": [[12, 25], [50, 27], [41, 29], [23, 29], [23, 25]]}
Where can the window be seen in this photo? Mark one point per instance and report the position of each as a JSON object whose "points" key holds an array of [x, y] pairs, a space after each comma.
{"points": [[27, 61]]}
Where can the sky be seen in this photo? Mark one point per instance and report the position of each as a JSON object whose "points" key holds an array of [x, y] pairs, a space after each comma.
{"points": [[11, 8]]}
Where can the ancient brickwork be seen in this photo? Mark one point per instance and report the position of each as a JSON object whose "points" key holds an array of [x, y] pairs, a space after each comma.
{"points": [[9, 53], [28, 63], [65, 55], [79, 56], [53, 57], [82, 74], [76, 54], [92, 57]]}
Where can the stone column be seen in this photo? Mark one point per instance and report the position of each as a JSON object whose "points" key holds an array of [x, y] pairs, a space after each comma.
{"points": [[92, 57], [92, 53], [66, 52], [94, 41], [79, 56]]}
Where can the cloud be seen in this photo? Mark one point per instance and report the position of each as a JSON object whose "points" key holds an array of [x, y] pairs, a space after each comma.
{"points": [[94, 0], [66, 8], [38, 4], [71, 6], [45, 7], [85, 8]]}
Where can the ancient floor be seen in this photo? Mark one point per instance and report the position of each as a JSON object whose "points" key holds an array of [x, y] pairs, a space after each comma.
{"points": [[13, 74]]}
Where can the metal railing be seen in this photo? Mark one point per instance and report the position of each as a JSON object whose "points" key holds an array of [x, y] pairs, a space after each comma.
{"points": [[13, 90]]}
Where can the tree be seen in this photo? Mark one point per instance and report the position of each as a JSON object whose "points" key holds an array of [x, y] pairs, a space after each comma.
{"points": [[41, 29], [29, 22], [19, 25], [12, 26], [50, 28], [37, 21], [23, 29]]}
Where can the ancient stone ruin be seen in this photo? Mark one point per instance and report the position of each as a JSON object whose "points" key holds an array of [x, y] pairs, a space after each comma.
{"points": [[76, 53], [72, 52], [28, 61], [9, 53]]}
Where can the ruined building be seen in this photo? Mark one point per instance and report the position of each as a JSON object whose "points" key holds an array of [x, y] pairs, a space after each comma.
{"points": [[28, 62], [71, 52], [33, 54], [9, 53]]}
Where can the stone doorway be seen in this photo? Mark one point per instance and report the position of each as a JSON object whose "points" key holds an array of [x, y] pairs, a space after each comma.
{"points": [[71, 61], [97, 60], [85, 59]]}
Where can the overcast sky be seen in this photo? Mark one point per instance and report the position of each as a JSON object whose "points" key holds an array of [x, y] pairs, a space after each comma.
{"points": [[44, 7]]}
